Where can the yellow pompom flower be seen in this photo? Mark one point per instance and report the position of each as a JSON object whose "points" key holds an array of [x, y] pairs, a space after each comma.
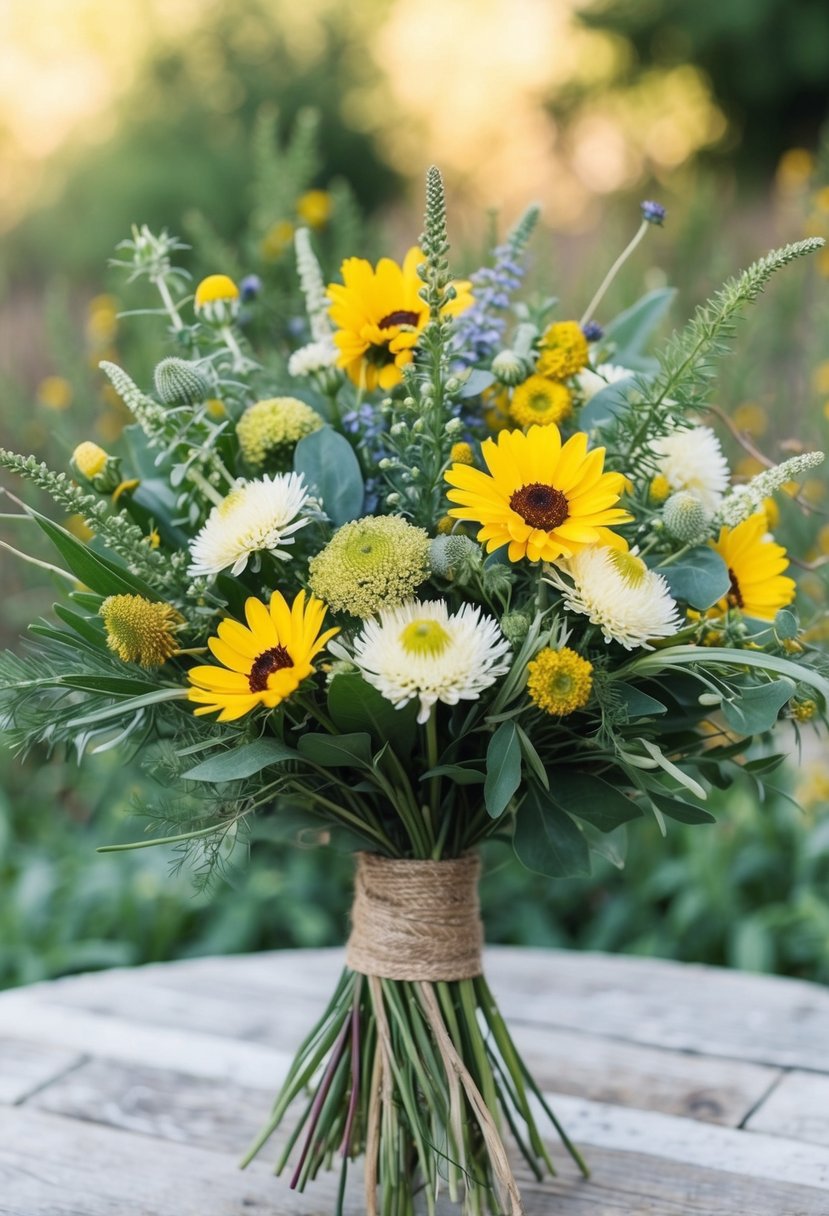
{"points": [[659, 488], [542, 498], [276, 240], [461, 453], [89, 459], [269, 430], [755, 566], [217, 299], [380, 316], [559, 681], [55, 393], [314, 208], [264, 663], [542, 401], [139, 630], [564, 351]]}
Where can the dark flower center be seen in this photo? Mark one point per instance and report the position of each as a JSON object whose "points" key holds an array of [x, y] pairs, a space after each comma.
{"points": [[540, 506], [265, 665], [401, 317], [735, 594]]}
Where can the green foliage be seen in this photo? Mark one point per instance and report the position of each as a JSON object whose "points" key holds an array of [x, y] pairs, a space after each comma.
{"points": [[330, 466]]}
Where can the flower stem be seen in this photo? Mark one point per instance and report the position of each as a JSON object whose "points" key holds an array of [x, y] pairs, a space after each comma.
{"points": [[614, 270]]}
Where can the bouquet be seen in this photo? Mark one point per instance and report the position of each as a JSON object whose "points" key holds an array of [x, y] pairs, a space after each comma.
{"points": [[451, 570]]}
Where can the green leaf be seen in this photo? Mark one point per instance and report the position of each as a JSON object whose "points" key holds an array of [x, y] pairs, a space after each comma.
{"points": [[681, 811], [546, 840], [605, 404], [131, 705], [532, 757], [459, 773], [239, 762], [503, 769], [356, 706], [89, 628], [639, 704], [475, 382], [337, 751], [114, 686], [327, 461], [592, 799], [755, 709], [632, 329], [95, 571], [699, 579]]}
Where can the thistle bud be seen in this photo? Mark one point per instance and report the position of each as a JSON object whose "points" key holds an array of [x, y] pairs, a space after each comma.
{"points": [[515, 627], [180, 382], [509, 368], [685, 518]]}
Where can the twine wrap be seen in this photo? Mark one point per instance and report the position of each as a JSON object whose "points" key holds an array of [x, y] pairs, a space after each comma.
{"points": [[416, 920]]}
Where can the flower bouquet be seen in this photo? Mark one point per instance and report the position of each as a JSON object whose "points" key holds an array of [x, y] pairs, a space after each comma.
{"points": [[451, 570]]}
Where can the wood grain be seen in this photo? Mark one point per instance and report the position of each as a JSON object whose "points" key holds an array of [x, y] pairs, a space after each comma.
{"points": [[798, 1107]]}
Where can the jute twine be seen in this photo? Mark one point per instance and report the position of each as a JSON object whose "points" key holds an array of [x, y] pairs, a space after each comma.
{"points": [[416, 920]]}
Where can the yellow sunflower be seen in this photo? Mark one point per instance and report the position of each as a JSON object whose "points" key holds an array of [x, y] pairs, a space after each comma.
{"points": [[380, 316], [543, 499], [755, 565], [264, 663], [542, 401]]}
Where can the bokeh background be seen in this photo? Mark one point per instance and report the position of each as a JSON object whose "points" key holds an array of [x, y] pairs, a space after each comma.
{"points": [[229, 121]]}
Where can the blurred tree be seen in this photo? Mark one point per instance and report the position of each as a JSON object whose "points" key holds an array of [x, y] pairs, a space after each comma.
{"points": [[767, 60]]}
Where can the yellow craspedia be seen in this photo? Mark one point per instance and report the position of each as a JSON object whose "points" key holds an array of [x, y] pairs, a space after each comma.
{"points": [[540, 401], [461, 453], [314, 208], [55, 393], [563, 350], [139, 630], [559, 681], [215, 287], [269, 430], [659, 488], [89, 459], [276, 240]]}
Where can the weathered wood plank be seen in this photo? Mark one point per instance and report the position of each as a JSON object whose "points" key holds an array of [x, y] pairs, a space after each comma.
{"points": [[48, 1169], [26, 1066], [798, 1108], [142, 1025]]}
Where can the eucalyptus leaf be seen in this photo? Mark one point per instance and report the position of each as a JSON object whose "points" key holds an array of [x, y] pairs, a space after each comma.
{"points": [[503, 769], [632, 329], [680, 810], [459, 773], [639, 704], [327, 461], [755, 709], [355, 706], [546, 840], [605, 404], [476, 382], [592, 799], [700, 578], [238, 762], [337, 751]]}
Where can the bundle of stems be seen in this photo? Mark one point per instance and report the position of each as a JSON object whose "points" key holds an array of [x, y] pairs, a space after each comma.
{"points": [[424, 1079]]}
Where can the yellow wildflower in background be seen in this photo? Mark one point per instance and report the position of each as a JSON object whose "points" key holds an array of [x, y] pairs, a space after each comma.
{"points": [[276, 240], [314, 208], [542, 401], [820, 378], [751, 418], [263, 663], [139, 630], [559, 681], [542, 498], [659, 488], [380, 316], [794, 169], [55, 393], [755, 566], [101, 321], [564, 350]]}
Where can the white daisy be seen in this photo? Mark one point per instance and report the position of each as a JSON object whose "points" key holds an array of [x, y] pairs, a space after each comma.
{"points": [[592, 381], [256, 516], [693, 460], [421, 650], [618, 592]]}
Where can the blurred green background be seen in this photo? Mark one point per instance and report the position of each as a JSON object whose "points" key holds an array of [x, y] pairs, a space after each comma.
{"points": [[229, 121]]}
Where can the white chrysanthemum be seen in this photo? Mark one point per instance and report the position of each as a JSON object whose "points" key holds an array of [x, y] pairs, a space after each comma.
{"points": [[315, 357], [421, 650], [592, 381], [256, 516], [693, 460], [616, 590]]}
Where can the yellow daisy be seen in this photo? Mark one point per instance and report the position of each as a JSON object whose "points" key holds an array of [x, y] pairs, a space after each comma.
{"points": [[559, 681], [380, 316], [543, 499], [264, 663], [542, 401], [755, 565]]}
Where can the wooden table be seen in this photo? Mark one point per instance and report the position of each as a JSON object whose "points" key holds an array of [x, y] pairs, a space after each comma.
{"points": [[692, 1090]]}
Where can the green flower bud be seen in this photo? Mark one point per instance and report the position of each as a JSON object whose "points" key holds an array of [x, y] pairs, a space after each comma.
{"points": [[180, 382], [685, 518], [515, 627], [454, 556], [509, 368]]}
